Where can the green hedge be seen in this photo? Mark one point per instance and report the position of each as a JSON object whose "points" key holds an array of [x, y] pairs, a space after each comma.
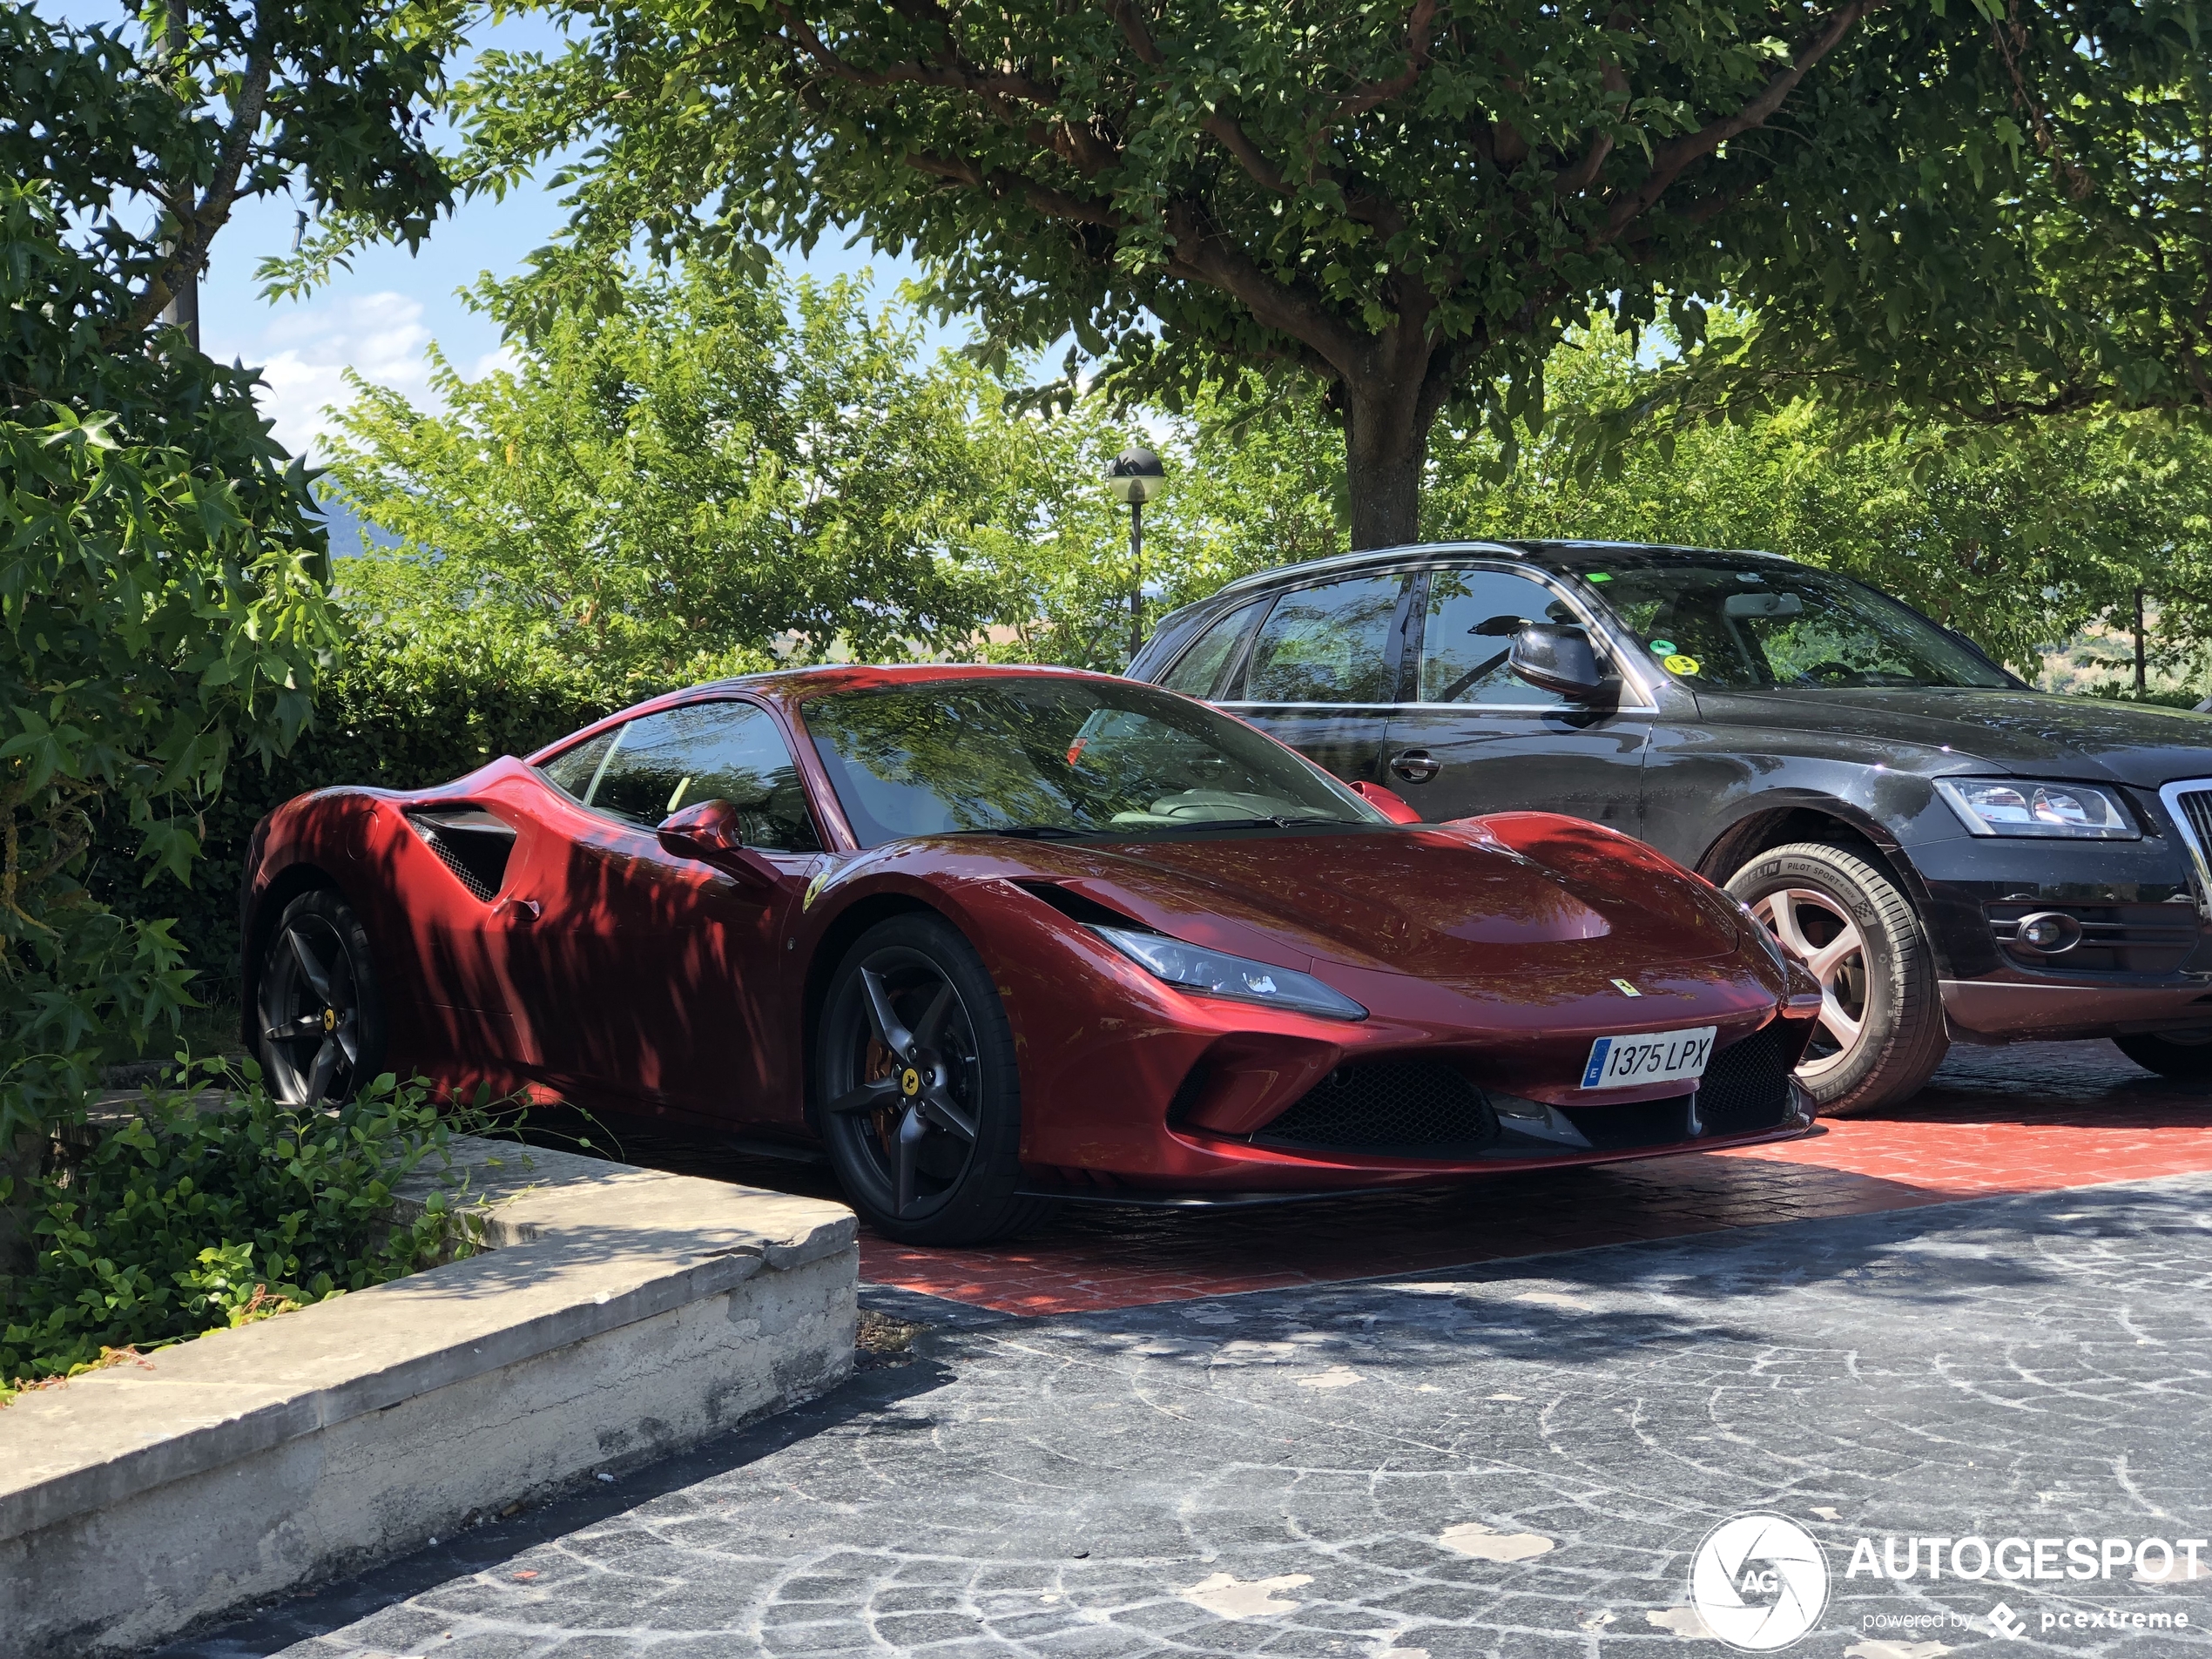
{"points": [[392, 718]]}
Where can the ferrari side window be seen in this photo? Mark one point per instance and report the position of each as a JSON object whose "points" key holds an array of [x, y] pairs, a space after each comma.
{"points": [[1327, 645], [1198, 670], [704, 751], [574, 770], [1467, 630]]}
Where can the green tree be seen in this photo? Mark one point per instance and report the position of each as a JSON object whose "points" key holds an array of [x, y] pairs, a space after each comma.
{"points": [[1401, 208], [2054, 258], [161, 599], [703, 477], [1253, 481]]}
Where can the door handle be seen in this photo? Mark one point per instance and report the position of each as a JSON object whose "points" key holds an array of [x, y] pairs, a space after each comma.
{"points": [[1415, 765], [520, 909]]}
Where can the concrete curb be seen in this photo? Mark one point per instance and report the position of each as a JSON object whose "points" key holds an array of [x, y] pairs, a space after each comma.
{"points": [[620, 1314]]}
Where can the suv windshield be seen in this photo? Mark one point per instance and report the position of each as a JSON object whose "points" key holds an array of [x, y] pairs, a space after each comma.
{"points": [[1055, 756], [1742, 626]]}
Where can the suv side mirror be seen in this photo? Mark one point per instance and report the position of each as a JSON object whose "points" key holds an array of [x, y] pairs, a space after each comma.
{"points": [[1559, 660], [713, 832]]}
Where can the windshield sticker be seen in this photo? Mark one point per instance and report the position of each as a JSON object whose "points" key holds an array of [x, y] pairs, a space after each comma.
{"points": [[1662, 647], [1599, 575], [1681, 664]]}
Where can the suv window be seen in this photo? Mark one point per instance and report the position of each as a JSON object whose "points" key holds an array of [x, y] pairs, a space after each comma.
{"points": [[1467, 633], [1327, 645], [1739, 625], [1198, 670], [661, 763]]}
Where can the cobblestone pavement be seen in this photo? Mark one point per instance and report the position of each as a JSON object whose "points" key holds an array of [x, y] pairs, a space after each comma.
{"points": [[1517, 1459]]}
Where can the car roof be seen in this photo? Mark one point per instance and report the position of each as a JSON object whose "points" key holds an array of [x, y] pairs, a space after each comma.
{"points": [[1549, 555], [795, 683]]}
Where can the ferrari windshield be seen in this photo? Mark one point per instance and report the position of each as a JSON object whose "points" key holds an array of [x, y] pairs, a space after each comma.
{"points": [[1048, 756], [1765, 624]]}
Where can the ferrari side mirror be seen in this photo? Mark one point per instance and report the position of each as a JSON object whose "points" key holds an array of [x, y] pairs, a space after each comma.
{"points": [[1559, 660], [713, 832], [1391, 805]]}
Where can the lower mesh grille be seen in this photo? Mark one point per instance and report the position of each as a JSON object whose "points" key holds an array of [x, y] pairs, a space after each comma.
{"points": [[1420, 1107], [1746, 1087]]}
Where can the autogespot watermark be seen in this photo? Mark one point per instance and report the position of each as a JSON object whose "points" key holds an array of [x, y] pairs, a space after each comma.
{"points": [[1760, 1581], [2015, 1559]]}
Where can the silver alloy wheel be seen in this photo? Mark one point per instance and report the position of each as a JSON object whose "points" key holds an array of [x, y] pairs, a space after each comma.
{"points": [[1818, 931]]}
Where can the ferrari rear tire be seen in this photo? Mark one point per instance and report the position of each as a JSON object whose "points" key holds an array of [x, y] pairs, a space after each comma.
{"points": [[2186, 1057], [320, 1017], [918, 1093], [1880, 1034]]}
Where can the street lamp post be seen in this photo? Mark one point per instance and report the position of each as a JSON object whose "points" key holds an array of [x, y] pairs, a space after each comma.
{"points": [[1136, 477]]}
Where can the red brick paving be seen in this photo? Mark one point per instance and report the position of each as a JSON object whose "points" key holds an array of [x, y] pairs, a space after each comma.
{"points": [[2027, 1119]]}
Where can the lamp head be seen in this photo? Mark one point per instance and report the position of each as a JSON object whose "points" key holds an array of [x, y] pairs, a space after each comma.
{"points": [[1136, 476]]}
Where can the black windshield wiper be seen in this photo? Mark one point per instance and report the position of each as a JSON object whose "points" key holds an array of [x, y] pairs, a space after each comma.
{"points": [[1026, 832], [1255, 823]]}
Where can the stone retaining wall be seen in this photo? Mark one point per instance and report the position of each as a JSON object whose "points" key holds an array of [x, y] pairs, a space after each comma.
{"points": [[619, 1314]]}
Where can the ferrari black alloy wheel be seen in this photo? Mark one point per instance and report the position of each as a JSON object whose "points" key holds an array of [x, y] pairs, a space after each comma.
{"points": [[919, 1098], [322, 1024]]}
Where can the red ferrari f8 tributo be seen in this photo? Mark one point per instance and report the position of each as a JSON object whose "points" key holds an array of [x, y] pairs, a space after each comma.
{"points": [[994, 938]]}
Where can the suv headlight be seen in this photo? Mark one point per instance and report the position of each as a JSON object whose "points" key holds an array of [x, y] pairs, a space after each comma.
{"points": [[1213, 973], [2018, 807]]}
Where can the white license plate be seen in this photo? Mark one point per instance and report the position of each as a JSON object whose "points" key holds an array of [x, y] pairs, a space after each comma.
{"points": [[1660, 1057]]}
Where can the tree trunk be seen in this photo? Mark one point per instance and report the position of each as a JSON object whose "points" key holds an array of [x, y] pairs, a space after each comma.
{"points": [[1386, 450]]}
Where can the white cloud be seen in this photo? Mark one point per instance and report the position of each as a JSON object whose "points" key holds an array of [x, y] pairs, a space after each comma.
{"points": [[502, 361], [303, 355]]}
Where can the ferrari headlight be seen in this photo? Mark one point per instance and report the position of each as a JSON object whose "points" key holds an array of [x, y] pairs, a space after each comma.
{"points": [[1213, 973], [2017, 806]]}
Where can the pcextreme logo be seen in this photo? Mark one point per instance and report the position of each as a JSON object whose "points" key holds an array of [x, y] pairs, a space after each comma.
{"points": [[1759, 1582]]}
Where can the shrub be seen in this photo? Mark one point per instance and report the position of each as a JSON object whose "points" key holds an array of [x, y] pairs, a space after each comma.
{"points": [[184, 1222], [392, 717]]}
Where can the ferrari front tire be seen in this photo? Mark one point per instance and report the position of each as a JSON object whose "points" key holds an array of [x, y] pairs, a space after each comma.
{"points": [[1881, 1033], [2186, 1057], [917, 1094], [322, 1019]]}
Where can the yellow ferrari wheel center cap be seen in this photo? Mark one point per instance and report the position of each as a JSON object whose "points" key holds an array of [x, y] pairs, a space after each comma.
{"points": [[910, 1082], [330, 1018]]}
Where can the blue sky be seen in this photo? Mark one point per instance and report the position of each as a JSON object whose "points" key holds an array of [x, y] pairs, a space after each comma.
{"points": [[379, 318]]}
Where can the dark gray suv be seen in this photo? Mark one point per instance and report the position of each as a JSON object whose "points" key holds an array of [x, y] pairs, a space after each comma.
{"points": [[1956, 856]]}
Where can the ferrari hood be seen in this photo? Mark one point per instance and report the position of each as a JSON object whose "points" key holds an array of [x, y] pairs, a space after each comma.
{"points": [[1437, 903]]}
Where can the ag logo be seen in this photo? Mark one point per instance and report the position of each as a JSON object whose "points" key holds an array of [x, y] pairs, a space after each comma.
{"points": [[1759, 1582]]}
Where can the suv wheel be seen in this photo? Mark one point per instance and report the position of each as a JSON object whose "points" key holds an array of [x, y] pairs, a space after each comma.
{"points": [[1881, 1019]]}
